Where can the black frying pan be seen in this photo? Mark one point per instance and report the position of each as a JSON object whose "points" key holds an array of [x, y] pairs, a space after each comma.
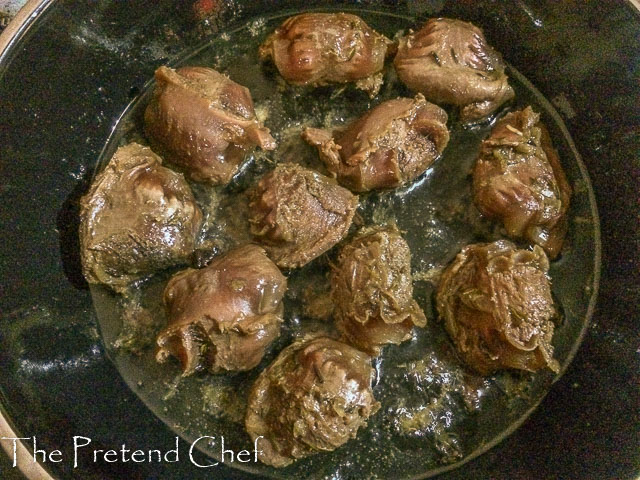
{"points": [[62, 96]]}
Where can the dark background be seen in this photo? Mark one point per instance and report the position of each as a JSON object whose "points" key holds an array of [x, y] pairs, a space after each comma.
{"points": [[55, 380]]}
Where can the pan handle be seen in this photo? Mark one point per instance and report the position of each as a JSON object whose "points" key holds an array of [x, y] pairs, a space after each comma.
{"points": [[21, 457]]}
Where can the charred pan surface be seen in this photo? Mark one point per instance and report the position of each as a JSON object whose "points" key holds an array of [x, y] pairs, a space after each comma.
{"points": [[298, 214], [323, 48], [388, 146], [204, 123], [519, 181], [371, 287], [496, 304], [313, 397], [137, 218], [449, 61], [224, 316]]}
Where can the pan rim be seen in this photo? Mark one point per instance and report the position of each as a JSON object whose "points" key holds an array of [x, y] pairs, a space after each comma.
{"points": [[16, 31]]}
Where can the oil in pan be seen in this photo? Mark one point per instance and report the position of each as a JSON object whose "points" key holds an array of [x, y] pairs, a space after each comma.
{"points": [[435, 414]]}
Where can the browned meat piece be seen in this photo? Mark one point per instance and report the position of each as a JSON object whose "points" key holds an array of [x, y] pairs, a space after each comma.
{"points": [[224, 316], [519, 181], [388, 146], [298, 214], [496, 303], [371, 287], [137, 218], [449, 61], [313, 397], [203, 122], [322, 48]]}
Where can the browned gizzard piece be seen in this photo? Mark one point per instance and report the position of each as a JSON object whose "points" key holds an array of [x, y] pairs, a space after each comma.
{"points": [[298, 214], [223, 317], [518, 180], [138, 218], [371, 287], [449, 61], [204, 123], [388, 146], [313, 397], [323, 48], [496, 304]]}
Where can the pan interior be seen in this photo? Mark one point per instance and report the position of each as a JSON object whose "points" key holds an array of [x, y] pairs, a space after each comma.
{"points": [[435, 414]]}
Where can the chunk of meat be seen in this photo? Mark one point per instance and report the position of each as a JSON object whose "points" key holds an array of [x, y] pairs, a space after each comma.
{"points": [[203, 122], [371, 287], [388, 146], [323, 48], [313, 397], [518, 180], [298, 214], [449, 61], [496, 304], [224, 316], [137, 218]]}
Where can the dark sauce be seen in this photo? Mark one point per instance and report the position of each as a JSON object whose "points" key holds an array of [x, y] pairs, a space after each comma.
{"points": [[435, 414]]}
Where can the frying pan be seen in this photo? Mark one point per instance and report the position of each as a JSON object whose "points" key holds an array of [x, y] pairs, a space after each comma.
{"points": [[67, 72]]}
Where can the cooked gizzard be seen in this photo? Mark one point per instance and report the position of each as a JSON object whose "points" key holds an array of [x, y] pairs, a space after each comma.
{"points": [[203, 122], [324, 48], [371, 288], [518, 180], [223, 317], [137, 218], [313, 397], [449, 61], [388, 146], [496, 304], [298, 214]]}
